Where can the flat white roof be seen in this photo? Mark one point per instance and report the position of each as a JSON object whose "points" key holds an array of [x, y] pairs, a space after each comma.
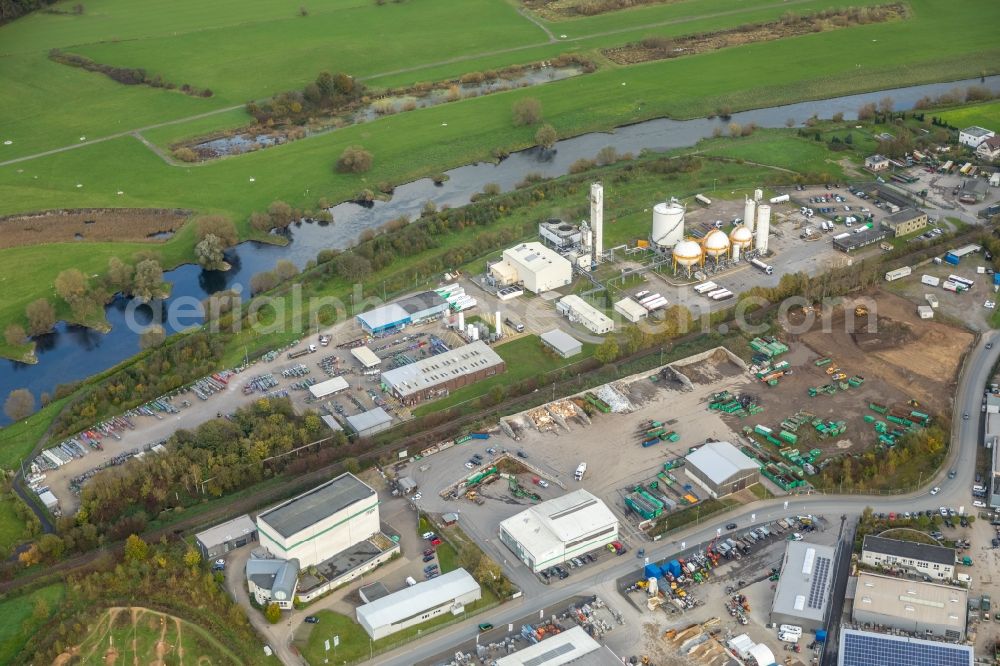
{"points": [[977, 131], [562, 648], [366, 356], [329, 387], [585, 310], [412, 600], [558, 521], [914, 601], [48, 499], [806, 576], [534, 256], [629, 307], [719, 461], [370, 419], [227, 531]]}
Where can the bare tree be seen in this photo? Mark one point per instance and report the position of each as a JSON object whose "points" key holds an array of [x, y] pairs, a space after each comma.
{"points": [[19, 405], [210, 254], [152, 337], [546, 136], [71, 285], [148, 280], [527, 111], [285, 270], [885, 105], [14, 335], [41, 316], [217, 225], [354, 159], [120, 274]]}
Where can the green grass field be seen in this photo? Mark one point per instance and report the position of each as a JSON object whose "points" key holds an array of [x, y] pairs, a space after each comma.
{"points": [[19, 619], [525, 358], [12, 528], [407, 145], [139, 635], [985, 115]]}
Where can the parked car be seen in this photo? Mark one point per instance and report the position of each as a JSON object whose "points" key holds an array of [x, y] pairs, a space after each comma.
{"points": [[427, 536], [429, 551], [219, 565], [428, 558], [485, 626], [312, 619], [952, 473], [435, 541], [731, 526], [935, 490]]}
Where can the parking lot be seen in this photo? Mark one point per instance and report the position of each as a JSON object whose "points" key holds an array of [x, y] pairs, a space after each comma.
{"points": [[967, 308]]}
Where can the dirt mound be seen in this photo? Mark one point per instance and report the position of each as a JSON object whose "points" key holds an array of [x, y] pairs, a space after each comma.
{"points": [[884, 333], [713, 367]]}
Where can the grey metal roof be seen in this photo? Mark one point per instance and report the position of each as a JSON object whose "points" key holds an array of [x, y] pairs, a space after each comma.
{"points": [[561, 341], [386, 315], [370, 419], [425, 300], [721, 461], [860, 239], [866, 648], [332, 422], [905, 215], [909, 549], [313, 506], [285, 579], [433, 370], [977, 131], [806, 576], [373, 591], [423, 596], [227, 531]]}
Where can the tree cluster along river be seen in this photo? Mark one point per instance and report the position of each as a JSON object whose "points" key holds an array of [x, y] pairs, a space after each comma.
{"points": [[72, 353]]}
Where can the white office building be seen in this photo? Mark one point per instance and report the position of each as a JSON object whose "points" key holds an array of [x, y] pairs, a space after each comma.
{"points": [[581, 312]]}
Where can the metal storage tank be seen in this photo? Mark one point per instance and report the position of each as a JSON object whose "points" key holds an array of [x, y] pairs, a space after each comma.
{"points": [[741, 238], [687, 253], [749, 212], [763, 226], [715, 244], [668, 224]]}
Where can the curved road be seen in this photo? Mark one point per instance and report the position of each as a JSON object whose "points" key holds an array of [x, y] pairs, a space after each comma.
{"points": [[954, 493]]}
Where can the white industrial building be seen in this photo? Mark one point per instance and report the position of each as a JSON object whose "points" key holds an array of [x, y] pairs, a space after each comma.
{"points": [[366, 357], [328, 388], [321, 522], [631, 310], [937, 562], [973, 136], [757, 654], [535, 266], [556, 530], [721, 469], [562, 343], [803, 592], [419, 603], [580, 311], [573, 646], [919, 608], [369, 423]]}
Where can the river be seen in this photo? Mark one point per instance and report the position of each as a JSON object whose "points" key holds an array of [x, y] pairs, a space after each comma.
{"points": [[71, 353]]}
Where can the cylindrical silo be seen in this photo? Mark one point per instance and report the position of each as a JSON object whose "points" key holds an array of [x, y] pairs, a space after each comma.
{"points": [[499, 328], [758, 195], [749, 213], [461, 322], [668, 224], [763, 226]]}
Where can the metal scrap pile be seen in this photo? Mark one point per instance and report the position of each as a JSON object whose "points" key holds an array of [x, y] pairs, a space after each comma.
{"points": [[618, 402]]}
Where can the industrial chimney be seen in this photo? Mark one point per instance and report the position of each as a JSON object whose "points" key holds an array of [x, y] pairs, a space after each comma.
{"points": [[749, 213], [597, 218]]}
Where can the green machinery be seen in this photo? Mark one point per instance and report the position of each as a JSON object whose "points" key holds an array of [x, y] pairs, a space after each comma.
{"points": [[517, 490], [727, 403], [479, 477], [597, 402], [770, 348]]}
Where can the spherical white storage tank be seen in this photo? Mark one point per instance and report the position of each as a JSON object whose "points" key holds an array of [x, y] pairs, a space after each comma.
{"points": [[687, 253], [741, 237], [749, 213], [763, 226], [715, 244], [668, 224]]}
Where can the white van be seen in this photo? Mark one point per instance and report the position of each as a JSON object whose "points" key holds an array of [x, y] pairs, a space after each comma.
{"points": [[580, 471], [790, 629]]}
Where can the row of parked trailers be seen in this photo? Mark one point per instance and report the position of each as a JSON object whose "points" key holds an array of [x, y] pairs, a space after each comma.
{"points": [[650, 301], [713, 291]]}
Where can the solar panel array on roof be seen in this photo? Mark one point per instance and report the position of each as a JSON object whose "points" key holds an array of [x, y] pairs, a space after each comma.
{"points": [[817, 591], [859, 648]]}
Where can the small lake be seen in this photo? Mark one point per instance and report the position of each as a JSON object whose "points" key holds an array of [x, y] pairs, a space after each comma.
{"points": [[71, 353]]}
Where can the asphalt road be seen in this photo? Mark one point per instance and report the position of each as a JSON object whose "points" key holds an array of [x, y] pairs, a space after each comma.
{"points": [[954, 493]]}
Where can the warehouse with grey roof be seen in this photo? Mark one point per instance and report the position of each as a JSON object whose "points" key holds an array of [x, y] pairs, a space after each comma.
{"points": [[803, 592], [436, 376], [721, 469]]}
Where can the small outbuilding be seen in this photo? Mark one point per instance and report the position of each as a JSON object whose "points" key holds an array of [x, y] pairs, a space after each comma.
{"points": [[414, 605], [49, 500], [219, 540], [877, 162], [631, 310], [721, 469], [370, 423], [562, 343], [366, 357], [328, 388], [332, 423]]}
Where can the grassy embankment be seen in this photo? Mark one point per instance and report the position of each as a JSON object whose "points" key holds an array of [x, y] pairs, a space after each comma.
{"points": [[985, 115], [801, 68], [23, 615]]}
